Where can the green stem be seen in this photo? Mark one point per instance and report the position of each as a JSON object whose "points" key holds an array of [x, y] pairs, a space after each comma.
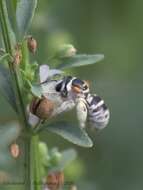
{"points": [[13, 69], [5, 26], [36, 164], [25, 55]]}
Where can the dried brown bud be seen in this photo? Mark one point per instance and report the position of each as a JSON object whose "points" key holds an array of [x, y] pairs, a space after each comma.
{"points": [[42, 107], [32, 44], [14, 150], [55, 180], [17, 57]]}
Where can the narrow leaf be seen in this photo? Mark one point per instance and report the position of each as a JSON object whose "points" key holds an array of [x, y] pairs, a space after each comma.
{"points": [[4, 57], [36, 90], [71, 133], [24, 14], [6, 87], [80, 60], [8, 133]]}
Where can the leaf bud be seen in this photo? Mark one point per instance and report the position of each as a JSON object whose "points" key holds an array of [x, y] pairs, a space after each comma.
{"points": [[66, 51], [55, 157]]}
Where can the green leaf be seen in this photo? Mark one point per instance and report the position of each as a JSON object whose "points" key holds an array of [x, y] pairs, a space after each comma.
{"points": [[71, 133], [8, 133], [4, 57], [24, 14], [15, 4], [80, 60], [6, 87], [67, 157], [36, 90], [6, 26]]}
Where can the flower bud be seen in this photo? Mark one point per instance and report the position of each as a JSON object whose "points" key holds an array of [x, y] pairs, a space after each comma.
{"points": [[55, 157], [14, 150], [43, 151], [55, 180], [42, 107], [66, 51], [32, 44]]}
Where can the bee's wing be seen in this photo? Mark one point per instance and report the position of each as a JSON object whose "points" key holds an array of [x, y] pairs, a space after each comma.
{"points": [[43, 72], [64, 106], [46, 73]]}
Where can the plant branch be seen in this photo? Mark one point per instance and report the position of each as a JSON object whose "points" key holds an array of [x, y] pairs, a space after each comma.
{"points": [[36, 165], [14, 70]]}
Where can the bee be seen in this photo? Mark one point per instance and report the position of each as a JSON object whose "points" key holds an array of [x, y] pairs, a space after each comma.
{"points": [[92, 109], [63, 95], [63, 92], [58, 96]]}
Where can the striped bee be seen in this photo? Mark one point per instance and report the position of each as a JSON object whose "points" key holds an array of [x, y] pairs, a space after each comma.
{"points": [[66, 93], [58, 96], [93, 109]]}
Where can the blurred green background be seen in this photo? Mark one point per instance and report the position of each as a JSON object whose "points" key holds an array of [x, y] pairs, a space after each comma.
{"points": [[114, 28]]}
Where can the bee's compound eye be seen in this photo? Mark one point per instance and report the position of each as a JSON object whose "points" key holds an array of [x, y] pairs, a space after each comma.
{"points": [[78, 83]]}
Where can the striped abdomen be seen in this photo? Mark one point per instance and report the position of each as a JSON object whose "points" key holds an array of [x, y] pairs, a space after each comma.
{"points": [[98, 112]]}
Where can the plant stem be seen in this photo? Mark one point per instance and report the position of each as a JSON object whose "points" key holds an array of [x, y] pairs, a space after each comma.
{"points": [[36, 165], [5, 26], [13, 69]]}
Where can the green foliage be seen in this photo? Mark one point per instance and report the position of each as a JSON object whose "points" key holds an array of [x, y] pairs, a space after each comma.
{"points": [[36, 90], [8, 134], [80, 60], [24, 14], [21, 76], [4, 57], [6, 87], [71, 133], [74, 170], [55, 160], [67, 156]]}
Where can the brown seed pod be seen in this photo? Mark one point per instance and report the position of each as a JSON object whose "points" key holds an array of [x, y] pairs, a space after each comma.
{"points": [[42, 107], [14, 150], [31, 44], [55, 180]]}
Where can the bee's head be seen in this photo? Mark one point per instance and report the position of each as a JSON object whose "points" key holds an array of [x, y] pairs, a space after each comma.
{"points": [[80, 86]]}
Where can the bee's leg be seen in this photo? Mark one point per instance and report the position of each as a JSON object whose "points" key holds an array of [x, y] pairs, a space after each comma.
{"points": [[81, 111], [64, 107]]}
